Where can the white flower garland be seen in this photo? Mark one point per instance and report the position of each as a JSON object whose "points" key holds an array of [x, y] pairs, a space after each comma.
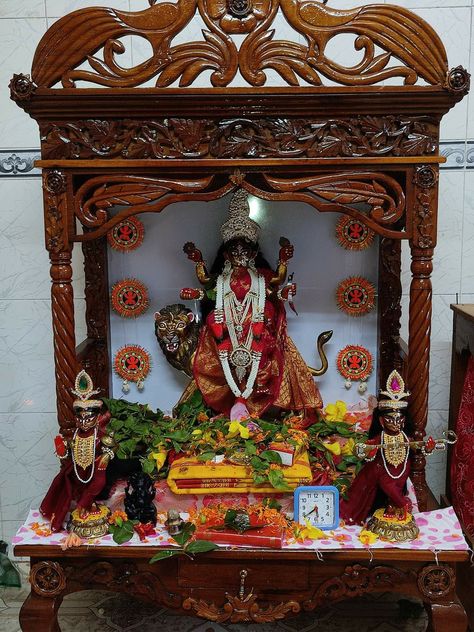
{"points": [[233, 312]]}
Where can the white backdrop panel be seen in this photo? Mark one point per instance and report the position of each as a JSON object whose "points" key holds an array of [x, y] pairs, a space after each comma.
{"points": [[319, 264]]}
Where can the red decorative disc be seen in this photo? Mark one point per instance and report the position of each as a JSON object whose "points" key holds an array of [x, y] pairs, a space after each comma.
{"points": [[132, 363], [129, 298], [353, 234], [127, 235], [355, 296], [354, 363]]}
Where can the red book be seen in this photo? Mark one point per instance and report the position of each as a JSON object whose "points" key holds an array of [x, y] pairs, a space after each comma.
{"points": [[270, 536]]}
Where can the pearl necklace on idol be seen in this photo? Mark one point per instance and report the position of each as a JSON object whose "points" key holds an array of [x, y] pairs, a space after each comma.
{"points": [[405, 461], [234, 313]]}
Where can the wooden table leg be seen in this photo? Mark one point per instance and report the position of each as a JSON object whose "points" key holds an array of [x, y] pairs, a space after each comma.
{"points": [[40, 614], [447, 617]]}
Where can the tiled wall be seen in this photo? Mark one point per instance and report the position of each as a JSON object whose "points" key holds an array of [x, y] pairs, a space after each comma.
{"points": [[27, 405]]}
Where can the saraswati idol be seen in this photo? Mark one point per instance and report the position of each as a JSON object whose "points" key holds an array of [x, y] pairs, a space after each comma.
{"points": [[245, 362]]}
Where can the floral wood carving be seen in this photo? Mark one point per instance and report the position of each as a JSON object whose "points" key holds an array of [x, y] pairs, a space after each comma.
{"points": [[356, 580], [54, 187], [124, 576], [241, 609], [47, 579], [382, 194], [378, 195], [239, 138], [383, 33], [436, 581], [425, 180], [144, 194]]}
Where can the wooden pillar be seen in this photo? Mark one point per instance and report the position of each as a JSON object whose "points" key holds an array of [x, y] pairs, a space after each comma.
{"points": [[62, 297], [389, 308], [423, 229]]}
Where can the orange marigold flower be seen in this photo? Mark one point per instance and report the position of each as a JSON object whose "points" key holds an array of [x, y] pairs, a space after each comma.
{"points": [[202, 416], [118, 515]]}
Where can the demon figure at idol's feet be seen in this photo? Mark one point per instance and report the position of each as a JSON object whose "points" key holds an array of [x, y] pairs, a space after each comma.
{"points": [[84, 460], [244, 362]]}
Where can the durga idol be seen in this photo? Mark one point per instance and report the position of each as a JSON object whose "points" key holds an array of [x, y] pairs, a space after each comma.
{"points": [[245, 362]]}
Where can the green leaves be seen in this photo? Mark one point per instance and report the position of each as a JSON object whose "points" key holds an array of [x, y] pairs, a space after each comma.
{"points": [[277, 480], [123, 530], [188, 546]]}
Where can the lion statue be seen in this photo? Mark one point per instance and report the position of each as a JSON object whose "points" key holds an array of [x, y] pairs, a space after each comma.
{"points": [[177, 333]]}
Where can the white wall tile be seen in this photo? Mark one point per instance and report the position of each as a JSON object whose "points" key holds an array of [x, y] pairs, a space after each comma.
{"points": [[447, 256], [22, 9], [467, 278], [18, 41], [470, 97], [442, 318], [436, 462], [440, 367], [453, 25], [26, 367], [27, 461], [58, 8], [24, 268]]}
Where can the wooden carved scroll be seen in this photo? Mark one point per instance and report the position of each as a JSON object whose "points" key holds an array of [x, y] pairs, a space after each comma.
{"points": [[383, 33], [241, 609], [62, 298], [345, 192], [357, 580], [183, 138]]}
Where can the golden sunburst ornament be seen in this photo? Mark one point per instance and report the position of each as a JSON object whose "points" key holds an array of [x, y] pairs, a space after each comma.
{"points": [[352, 234], [355, 296]]}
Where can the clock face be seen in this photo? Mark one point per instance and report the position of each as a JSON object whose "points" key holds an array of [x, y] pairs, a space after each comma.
{"points": [[318, 505]]}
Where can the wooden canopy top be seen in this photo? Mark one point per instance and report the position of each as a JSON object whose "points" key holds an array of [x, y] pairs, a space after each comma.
{"points": [[84, 48]]}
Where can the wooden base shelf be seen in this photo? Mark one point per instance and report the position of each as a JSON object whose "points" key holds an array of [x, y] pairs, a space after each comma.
{"points": [[251, 586]]}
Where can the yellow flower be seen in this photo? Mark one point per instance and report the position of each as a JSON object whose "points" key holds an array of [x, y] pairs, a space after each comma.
{"points": [[367, 537], [159, 457], [312, 533], [336, 412], [334, 447], [196, 432], [236, 428], [348, 448]]}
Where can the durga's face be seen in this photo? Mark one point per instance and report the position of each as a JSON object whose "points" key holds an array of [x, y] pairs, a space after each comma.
{"points": [[240, 252]]}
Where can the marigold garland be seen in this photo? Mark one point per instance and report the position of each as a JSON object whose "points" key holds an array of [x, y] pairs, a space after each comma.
{"points": [[355, 296], [129, 298], [354, 362], [127, 235], [352, 234]]}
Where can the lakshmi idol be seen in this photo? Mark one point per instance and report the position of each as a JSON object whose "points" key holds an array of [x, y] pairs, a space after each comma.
{"points": [[245, 362]]}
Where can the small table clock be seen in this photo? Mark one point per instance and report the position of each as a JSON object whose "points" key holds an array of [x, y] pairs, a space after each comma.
{"points": [[319, 505]]}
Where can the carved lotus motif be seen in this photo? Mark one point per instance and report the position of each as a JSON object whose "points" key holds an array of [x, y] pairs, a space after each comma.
{"points": [[238, 16]]}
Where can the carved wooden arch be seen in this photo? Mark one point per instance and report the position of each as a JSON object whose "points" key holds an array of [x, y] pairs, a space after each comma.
{"points": [[383, 32], [339, 192]]}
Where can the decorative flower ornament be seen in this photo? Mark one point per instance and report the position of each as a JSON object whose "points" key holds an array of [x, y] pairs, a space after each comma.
{"points": [[132, 363], [355, 296], [355, 363], [127, 235], [353, 234], [238, 16], [129, 298]]}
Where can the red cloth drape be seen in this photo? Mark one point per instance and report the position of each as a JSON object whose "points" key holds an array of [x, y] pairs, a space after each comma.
{"points": [[462, 464]]}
